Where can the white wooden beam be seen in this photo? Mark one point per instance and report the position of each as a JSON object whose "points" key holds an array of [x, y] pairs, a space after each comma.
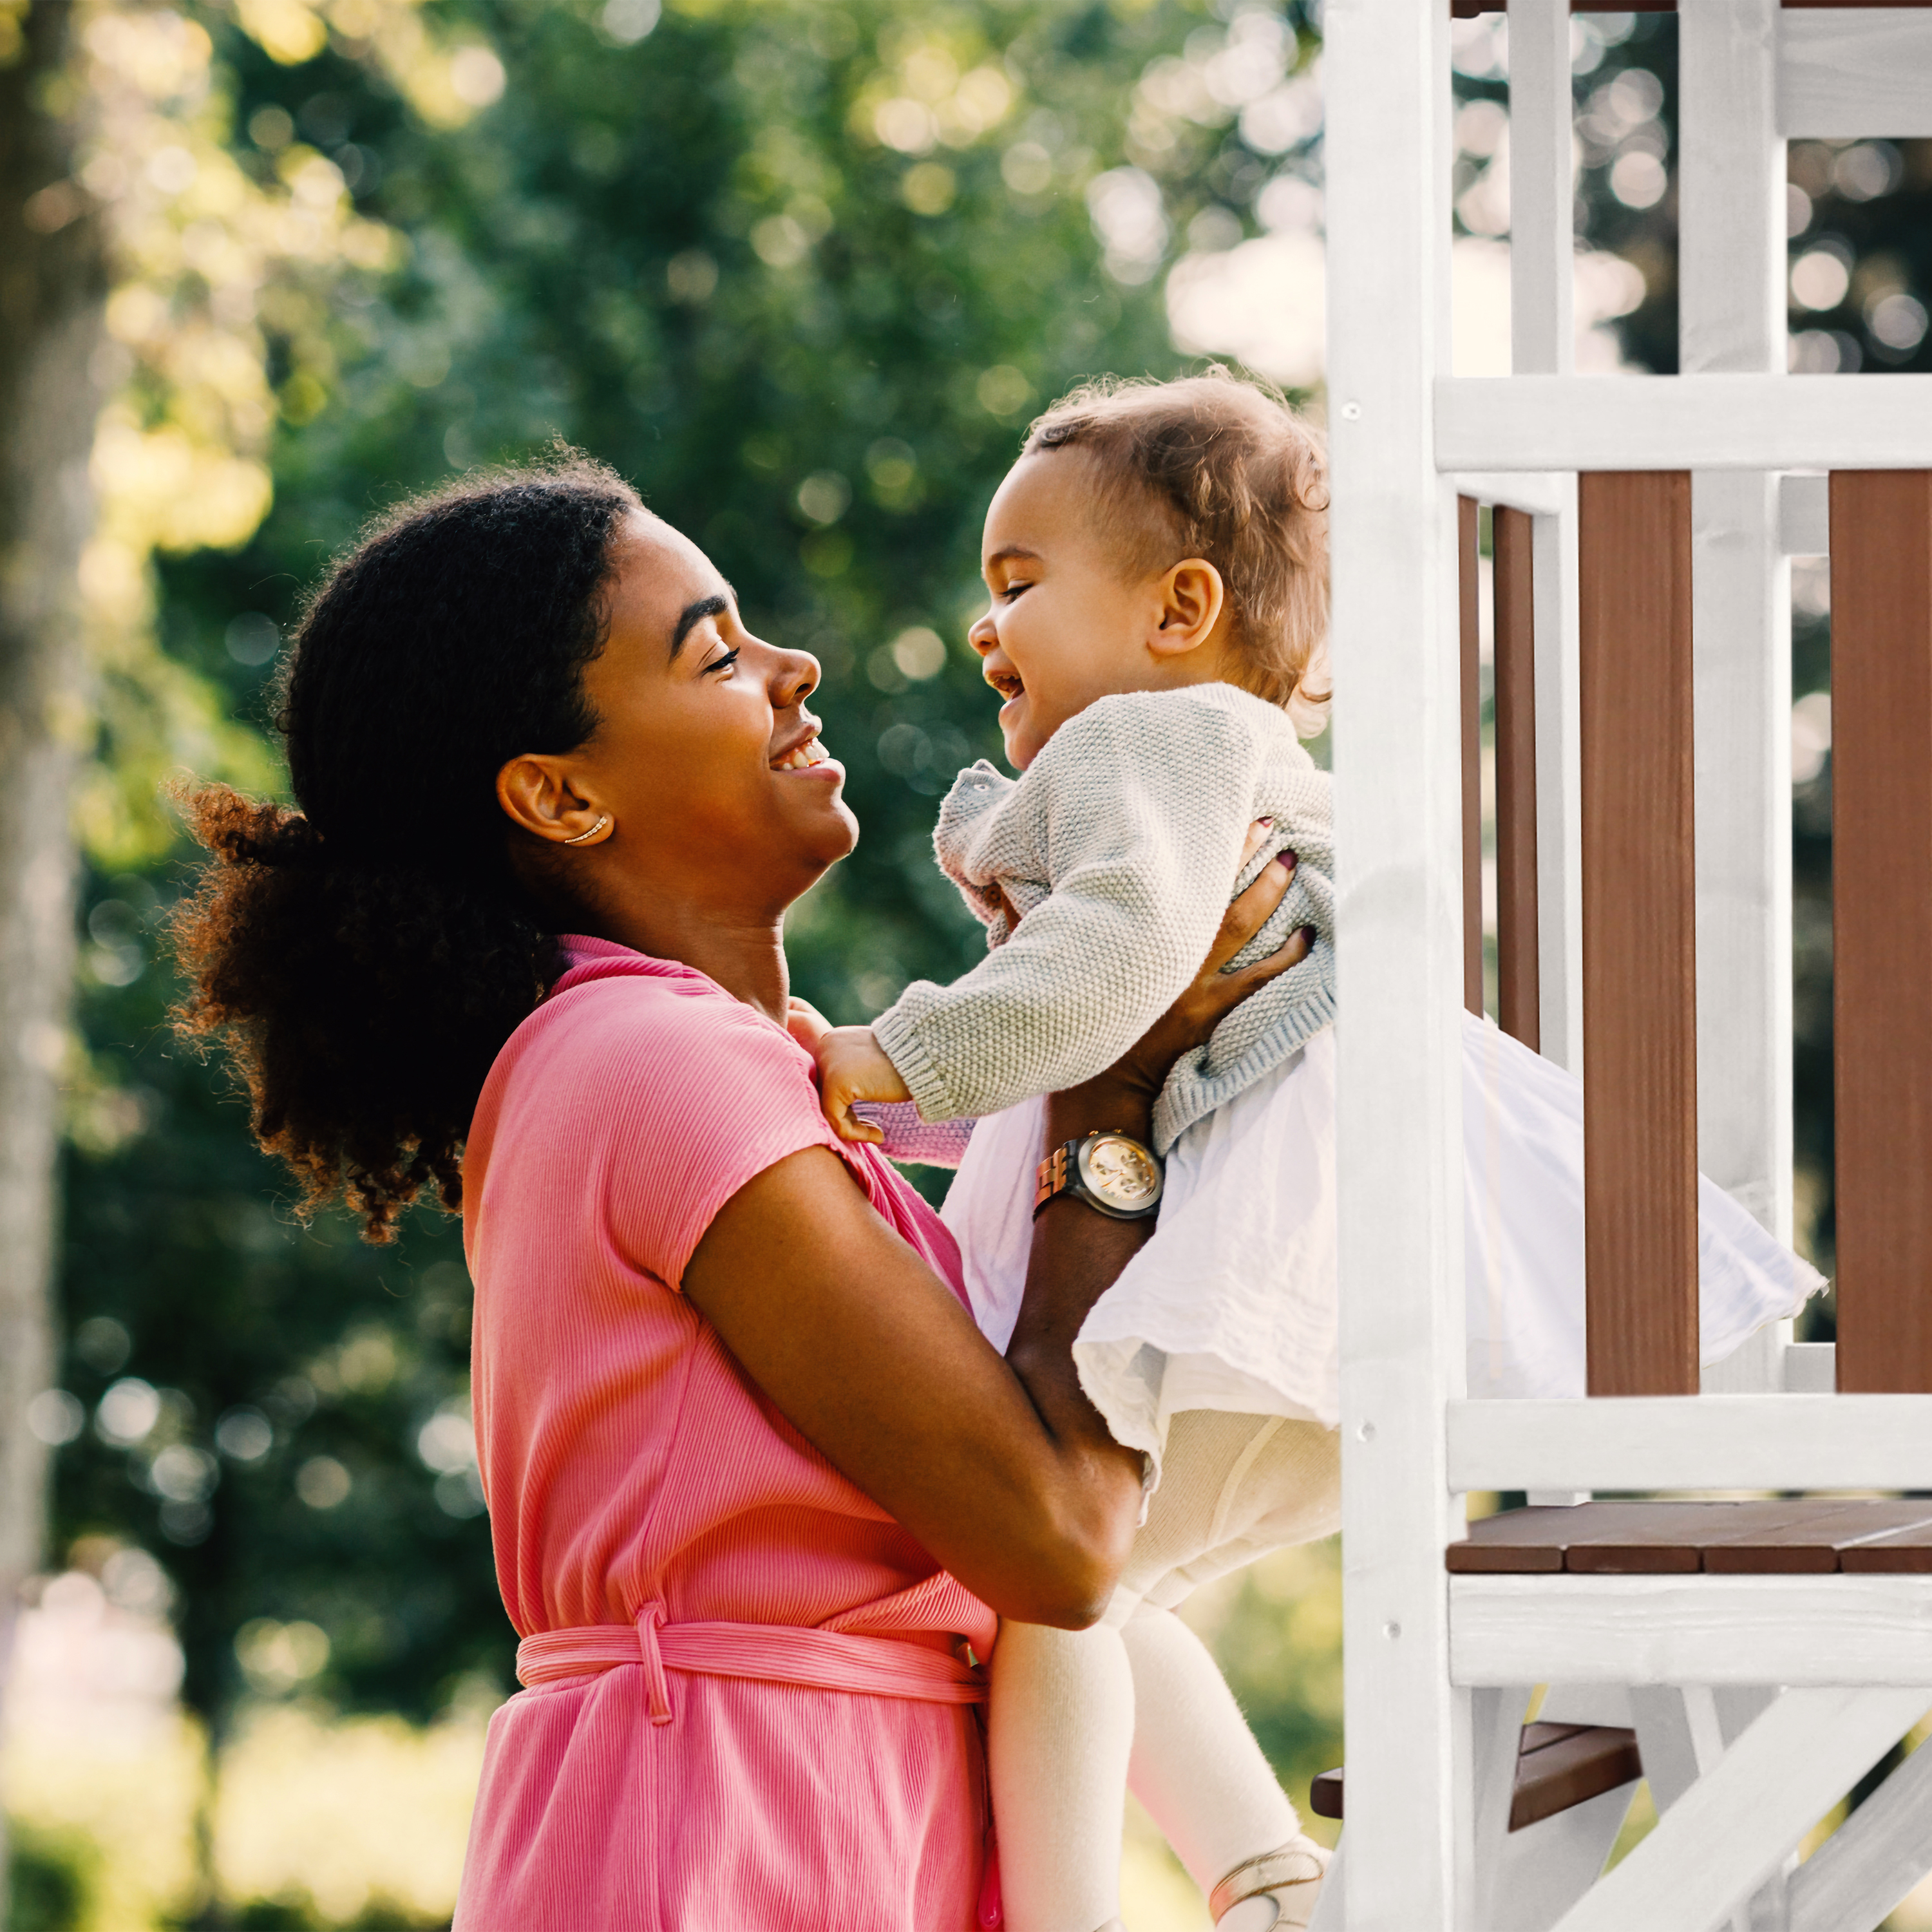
{"points": [[1804, 514], [1548, 1866], [1542, 144], [1683, 422], [1862, 1629], [1398, 805], [1853, 1880], [1709, 1442], [1559, 783], [1811, 1368], [1846, 73], [1733, 1827], [1541, 496], [1731, 256]]}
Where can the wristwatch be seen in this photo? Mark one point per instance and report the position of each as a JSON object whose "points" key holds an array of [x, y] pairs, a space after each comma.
{"points": [[1112, 1172]]}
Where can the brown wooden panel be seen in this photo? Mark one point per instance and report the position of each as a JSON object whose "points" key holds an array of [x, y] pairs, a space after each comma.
{"points": [[1519, 1007], [1468, 587], [1562, 1765], [1882, 923], [1557, 1766], [1780, 1534], [1910, 1550], [1639, 933], [1819, 1537], [1468, 10]]}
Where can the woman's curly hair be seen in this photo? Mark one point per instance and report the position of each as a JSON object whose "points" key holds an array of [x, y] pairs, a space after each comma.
{"points": [[363, 957]]}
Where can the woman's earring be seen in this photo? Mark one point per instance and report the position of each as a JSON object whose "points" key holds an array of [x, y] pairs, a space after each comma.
{"points": [[585, 838]]}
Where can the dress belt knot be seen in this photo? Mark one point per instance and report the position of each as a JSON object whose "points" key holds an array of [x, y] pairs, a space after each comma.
{"points": [[876, 1666]]}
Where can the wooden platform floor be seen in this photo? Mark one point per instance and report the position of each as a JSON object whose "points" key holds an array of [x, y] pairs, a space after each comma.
{"points": [[1800, 1536]]}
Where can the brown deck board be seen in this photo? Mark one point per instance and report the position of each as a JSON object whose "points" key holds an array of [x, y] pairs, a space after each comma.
{"points": [[1558, 1766], [1794, 1535], [1908, 1549]]}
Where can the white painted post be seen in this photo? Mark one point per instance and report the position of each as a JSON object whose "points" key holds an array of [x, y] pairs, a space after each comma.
{"points": [[1543, 342], [1731, 283], [1398, 791]]}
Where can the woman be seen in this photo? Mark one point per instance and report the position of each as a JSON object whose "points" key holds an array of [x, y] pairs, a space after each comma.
{"points": [[759, 1489]]}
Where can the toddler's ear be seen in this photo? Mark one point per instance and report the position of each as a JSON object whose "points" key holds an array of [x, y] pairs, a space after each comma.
{"points": [[1193, 597]]}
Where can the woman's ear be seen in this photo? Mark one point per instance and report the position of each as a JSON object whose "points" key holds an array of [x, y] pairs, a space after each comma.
{"points": [[1192, 599], [539, 799]]}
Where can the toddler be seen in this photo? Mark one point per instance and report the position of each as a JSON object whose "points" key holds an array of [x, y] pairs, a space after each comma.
{"points": [[1157, 561]]}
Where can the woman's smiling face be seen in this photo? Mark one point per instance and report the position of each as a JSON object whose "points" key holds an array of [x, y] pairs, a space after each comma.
{"points": [[704, 757]]}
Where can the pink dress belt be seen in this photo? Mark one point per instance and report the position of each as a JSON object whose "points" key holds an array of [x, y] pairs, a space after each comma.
{"points": [[877, 1666]]}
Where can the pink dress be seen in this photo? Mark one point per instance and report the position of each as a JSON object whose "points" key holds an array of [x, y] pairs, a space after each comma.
{"points": [[684, 1767]]}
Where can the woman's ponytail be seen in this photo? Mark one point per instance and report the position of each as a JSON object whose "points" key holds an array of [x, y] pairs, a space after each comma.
{"points": [[362, 958]]}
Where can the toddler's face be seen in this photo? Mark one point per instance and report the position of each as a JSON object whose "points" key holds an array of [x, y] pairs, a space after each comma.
{"points": [[1067, 624]]}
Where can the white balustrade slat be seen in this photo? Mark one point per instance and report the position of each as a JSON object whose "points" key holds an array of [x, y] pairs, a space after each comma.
{"points": [[1666, 1443], [1733, 1829], [1846, 73], [1398, 811], [1862, 1629], [1683, 422], [1804, 515]]}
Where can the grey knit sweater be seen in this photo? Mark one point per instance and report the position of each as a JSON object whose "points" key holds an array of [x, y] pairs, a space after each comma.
{"points": [[1118, 849]]}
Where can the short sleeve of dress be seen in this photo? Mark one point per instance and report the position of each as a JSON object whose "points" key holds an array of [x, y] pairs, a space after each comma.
{"points": [[703, 1095]]}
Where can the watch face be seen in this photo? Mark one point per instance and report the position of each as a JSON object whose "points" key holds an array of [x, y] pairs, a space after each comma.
{"points": [[1120, 1171]]}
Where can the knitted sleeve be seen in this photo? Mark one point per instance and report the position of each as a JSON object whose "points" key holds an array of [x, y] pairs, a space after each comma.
{"points": [[1133, 818]]}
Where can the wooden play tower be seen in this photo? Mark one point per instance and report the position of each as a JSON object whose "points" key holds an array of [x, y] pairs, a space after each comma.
{"points": [[1756, 1659]]}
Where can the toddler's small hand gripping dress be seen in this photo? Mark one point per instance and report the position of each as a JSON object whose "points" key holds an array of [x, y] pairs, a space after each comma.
{"points": [[749, 1708]]}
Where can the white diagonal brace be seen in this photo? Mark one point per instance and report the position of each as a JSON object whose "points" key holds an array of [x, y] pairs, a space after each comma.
{"points": [[1853, 1880], [1732, 1828]]}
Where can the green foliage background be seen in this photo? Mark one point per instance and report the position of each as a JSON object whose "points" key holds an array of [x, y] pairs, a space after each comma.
{"points": [[687, 254]]}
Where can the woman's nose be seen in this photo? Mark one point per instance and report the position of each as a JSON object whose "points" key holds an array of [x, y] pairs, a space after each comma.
{"points": [[794, 678]]}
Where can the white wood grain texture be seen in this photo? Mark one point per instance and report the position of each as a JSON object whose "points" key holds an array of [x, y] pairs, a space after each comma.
{"points": [[1811, 1368], [1548, 1866], [1662, 1722], [1541, 496], [1731, 182], [1542, 172], [1804, 515], [1331, 1908], [1741, 620], [1664, 1443], [1587, 1704], [1734, 1827], [1397, 786], [1809, 1630], [1496, 1739], [1559, 793], [1853, 1881], [1855, 71], [1683, 422]]}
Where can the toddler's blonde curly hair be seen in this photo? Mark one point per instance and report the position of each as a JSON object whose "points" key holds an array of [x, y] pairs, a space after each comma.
{"points": [[1215, 467]]}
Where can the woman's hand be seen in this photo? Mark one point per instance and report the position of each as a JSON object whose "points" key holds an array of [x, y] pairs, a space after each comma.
{"points": [[1142, 1070]]}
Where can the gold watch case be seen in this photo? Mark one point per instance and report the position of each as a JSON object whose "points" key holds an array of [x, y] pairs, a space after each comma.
{"points": [[1119, 1175]]}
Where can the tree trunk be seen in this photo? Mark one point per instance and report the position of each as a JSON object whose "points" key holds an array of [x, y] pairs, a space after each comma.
{"points": [[52, 285]]}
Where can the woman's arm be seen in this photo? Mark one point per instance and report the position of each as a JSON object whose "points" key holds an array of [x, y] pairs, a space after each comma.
{"points": [[1002, 1469]]}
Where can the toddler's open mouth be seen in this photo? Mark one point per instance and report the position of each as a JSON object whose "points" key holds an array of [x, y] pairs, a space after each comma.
{"points": [[1008, 684]]}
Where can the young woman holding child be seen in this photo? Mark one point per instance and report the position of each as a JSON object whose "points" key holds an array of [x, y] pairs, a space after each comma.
{"points": [[756, 1479], [761, 1489]]}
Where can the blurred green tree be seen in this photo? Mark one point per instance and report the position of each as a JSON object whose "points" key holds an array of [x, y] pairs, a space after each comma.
{"points": [[803, 272]]}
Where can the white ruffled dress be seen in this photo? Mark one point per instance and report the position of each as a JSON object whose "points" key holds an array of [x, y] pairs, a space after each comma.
{"points": [[1232, 1304]]}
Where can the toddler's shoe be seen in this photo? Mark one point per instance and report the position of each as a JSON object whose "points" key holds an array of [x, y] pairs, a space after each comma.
{"points": [[1272, 1893]]}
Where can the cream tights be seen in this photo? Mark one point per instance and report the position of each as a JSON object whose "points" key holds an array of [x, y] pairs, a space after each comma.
{"points": [[1075, 1715]]}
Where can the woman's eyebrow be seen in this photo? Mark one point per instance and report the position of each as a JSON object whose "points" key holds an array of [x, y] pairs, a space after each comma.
{"points": [[692, 615]]}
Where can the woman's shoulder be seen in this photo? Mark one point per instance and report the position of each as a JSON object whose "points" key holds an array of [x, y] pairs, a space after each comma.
{"points": [[615, 1038]]}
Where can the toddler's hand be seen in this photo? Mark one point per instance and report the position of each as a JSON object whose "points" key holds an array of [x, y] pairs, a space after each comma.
{"points": [[806, 1023], [852, 1066]]}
